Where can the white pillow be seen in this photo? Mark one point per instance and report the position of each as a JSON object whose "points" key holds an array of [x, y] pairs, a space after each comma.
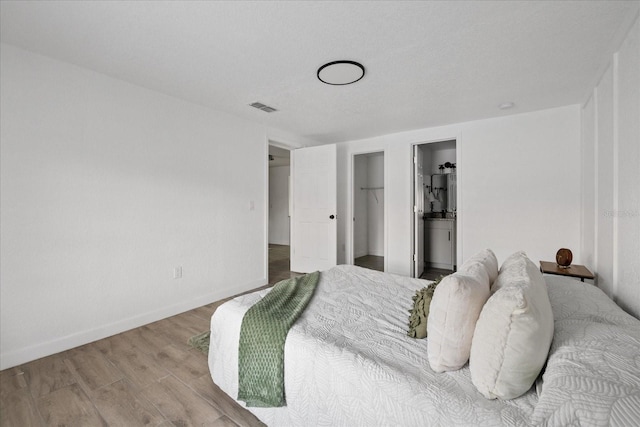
{"points": [[477, 270], [455, 307], [514, 258], [487, 258], [513, 333], [515, 261]]}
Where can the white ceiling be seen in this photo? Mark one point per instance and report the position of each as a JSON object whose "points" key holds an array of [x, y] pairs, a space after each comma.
{"points": [[427, 63]]}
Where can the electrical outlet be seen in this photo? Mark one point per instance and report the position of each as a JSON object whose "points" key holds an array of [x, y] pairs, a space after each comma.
{"points": [[177, 272]]}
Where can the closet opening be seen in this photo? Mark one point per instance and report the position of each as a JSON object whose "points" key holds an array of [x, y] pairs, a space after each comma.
{"points": [[368, 211]]}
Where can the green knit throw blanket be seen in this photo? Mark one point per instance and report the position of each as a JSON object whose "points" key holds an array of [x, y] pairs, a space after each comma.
{"points": [[419, 314], [262, 336]]}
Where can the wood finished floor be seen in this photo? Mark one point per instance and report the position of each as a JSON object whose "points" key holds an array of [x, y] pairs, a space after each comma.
{"points": [[374, 262], [434, 273], [371, 262], [147, 376]]}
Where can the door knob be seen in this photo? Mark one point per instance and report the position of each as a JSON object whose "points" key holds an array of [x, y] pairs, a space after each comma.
{"points": [[332, 216]]}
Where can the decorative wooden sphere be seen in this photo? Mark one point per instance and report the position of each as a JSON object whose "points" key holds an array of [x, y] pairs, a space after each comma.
{"points": [[564, 257]]}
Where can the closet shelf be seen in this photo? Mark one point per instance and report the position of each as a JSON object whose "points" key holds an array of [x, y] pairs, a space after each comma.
{"points": [[373, 188]]}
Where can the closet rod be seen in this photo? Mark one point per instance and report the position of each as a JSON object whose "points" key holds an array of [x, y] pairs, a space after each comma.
{"points": [[372, 188]]}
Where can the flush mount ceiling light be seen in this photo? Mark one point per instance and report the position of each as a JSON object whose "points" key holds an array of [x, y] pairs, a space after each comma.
{"points": [[340, 73]]}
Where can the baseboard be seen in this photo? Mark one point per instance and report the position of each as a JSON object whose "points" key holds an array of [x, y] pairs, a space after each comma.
{"points": [[37, 351], [360, 254], [282, 243], [440, 266]]}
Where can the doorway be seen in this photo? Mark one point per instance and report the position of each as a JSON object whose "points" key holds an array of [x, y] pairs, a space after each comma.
{"points": [[279, 234], [368, 211], [435, 208]]}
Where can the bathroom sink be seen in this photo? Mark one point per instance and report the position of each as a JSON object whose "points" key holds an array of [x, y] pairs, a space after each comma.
{"points": [[439, 215]]}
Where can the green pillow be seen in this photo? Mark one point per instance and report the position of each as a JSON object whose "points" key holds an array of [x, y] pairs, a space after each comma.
{"points": [[419, 314]]}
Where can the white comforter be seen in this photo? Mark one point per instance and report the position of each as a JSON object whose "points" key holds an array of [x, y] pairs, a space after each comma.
{"points": [[349, 362], [592, 377]]}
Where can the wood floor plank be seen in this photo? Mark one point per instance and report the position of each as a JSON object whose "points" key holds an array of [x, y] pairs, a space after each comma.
{"points": [[372, 262], [206, 388], [120, 404], [181, 363], [173, 332], [215, 305], [180, 330], [196, 322], [147, 340], [179, 404], [69, 406], [205, 312], [224, 421], [159, 325], [200, 356], [47, 375], [18, 409], [140, 368], [116, 344], [11, 380], [91, 368]]}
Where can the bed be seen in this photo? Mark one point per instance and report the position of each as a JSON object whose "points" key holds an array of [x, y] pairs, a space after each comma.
{"points": [[349, 361]]}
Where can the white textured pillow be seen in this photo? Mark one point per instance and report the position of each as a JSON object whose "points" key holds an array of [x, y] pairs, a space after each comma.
{"points": [[487, 258], [513, 333], [455, 307], [514, 258], [514, 262]]}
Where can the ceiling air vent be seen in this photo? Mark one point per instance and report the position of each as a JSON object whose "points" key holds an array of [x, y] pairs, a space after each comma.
{"points": [[261, 106]]}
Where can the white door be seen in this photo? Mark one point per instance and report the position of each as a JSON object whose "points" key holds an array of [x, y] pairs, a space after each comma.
{"points": [[418, 213], [313, 219]]}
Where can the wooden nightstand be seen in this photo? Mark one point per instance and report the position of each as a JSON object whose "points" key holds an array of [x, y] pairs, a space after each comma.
{"points": [[574, 270]]}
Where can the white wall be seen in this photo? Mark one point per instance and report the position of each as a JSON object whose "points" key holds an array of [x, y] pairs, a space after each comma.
{"points": [[360, 216], [105, 188], [439, 156], [279, 205], [509, 170], [375, 204], [604, 175], [627, 177], [611, 176], [588, 170]]}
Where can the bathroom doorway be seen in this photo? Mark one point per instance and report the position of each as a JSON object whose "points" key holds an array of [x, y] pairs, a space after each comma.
{"points": [[435, 209]]}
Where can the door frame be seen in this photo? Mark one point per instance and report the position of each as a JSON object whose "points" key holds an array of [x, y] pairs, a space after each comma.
{"points": [[459, 215], [418, 209], [290, 148], [349, 241]]}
